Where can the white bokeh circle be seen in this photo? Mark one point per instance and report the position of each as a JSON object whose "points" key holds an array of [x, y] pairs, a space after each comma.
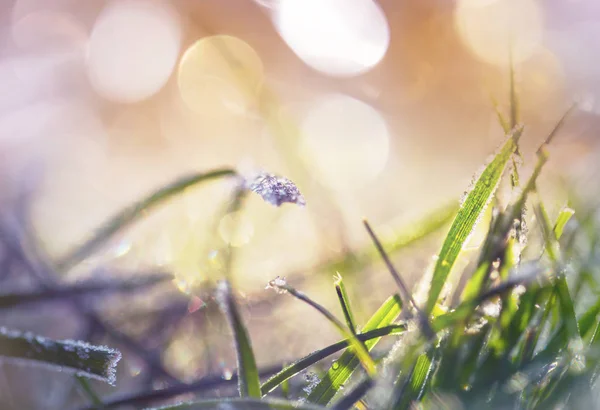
{"points": [[341, 38]]}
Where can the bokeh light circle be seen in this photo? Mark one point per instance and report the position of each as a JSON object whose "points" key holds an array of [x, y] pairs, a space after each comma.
{"points": [[133, 49], [345, 140], [491, 28], [219, 73], [341, 38]]}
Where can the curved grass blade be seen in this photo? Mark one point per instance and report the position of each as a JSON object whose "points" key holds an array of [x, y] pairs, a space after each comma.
{"points": [[467, 217], [133, 212], [96, 362], [242, 404], [342, 369], [309, 360], [564, 216], [248, 381], [361, 351]]}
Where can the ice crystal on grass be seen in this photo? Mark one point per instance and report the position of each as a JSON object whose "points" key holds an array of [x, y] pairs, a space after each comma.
{"points": [[278, 285], [312, 380], [223, 295], [84, 359], [275, 190]]}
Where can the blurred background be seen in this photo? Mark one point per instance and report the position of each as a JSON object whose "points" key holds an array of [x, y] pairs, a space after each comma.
{"points": [[379, 109]]}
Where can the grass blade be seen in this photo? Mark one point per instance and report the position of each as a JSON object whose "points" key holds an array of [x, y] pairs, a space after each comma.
{"points": [[342, 369], [81, 289], [144, 398], [423, 322], [466, 308], [588, 319], [96, 362], [248, 381], [564, 216], [309, 360], [501, 120], [130, 214], [405, 237], [361, 351], [416, 383], [564, 297], [340, 290], [347, 402], [467, 217]]}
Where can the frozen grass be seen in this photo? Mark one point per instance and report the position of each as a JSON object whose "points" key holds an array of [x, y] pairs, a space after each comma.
{"points": [[518, 336]]}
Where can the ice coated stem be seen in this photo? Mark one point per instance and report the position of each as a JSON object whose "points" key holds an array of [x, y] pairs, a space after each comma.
{"points": [[97, 362]]}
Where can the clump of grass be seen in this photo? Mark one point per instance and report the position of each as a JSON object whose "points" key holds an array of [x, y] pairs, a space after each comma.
{"points": [[518, 336]]}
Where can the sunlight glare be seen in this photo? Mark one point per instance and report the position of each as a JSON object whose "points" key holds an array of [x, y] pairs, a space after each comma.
{"points": [[133, 49], [345, 140], [341, 38], [220, 74], [489, 28]]}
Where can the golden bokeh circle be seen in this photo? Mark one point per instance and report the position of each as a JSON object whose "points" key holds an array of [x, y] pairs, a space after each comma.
{"points": [[220, 73]]}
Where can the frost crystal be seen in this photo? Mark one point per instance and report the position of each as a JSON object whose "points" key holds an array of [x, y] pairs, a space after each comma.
{"points": [[312, 380], [223, 295], [97, 362], [275, 190], [278, 284]]}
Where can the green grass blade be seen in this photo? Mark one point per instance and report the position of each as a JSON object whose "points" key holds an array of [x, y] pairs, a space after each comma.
{"points": [[130, 214], [340, 290], [347, 402], [361, 351], [342, 369], [311, 359], [422, 318], [565, 300], [566, 307], [419, 378], [245, 403], [248, 381], [96, 362], [551, 244], [466, 308], [501, 120], [588, 319], [467, 217], [564, 216], [404, 236]]}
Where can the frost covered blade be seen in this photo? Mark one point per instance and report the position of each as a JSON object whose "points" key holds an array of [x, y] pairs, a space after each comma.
{"points": [[275, 190], [84, 359]]}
